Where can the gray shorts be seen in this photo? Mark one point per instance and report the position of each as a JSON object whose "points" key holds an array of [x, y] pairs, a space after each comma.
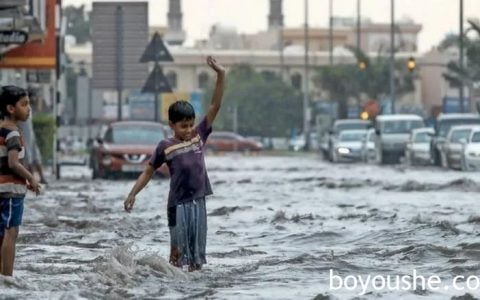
{"points": [[188, 232]]}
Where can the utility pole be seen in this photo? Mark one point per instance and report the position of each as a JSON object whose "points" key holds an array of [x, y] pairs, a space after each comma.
{"points": [[306, 110], [461, 60], [359, 24], [119, 59], [392, 56], [359, 43], [330, 32]]}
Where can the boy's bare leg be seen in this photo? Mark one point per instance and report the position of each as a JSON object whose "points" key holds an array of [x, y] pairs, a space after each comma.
{"points": [[174, 256], [8, 251], [194, 267]]}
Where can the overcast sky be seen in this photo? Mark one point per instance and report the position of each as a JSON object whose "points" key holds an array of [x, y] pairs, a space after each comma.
{"points": [[438, 17]]}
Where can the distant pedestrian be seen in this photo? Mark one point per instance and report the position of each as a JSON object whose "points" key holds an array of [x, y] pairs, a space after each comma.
{"points": [[14, 176], [189, 184]]}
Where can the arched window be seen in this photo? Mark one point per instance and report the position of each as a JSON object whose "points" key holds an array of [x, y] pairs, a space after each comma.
{"points": [[172, 79], [296, 81], [202, 80]]}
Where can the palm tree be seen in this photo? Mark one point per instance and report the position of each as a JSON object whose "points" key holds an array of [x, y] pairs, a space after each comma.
{"points": [[470, 73]]}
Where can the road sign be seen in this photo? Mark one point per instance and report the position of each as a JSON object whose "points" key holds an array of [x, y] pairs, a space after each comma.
{"points": [[156, 51], [157, 82]]}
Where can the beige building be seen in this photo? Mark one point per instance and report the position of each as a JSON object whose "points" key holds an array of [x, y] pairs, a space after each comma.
{"points": [[374, 37]]}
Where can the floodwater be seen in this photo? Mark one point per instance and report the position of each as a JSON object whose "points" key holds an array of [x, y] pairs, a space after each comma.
{"points": [[277, 227]]}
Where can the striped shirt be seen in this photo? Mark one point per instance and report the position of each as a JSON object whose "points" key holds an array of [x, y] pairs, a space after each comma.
{"points": [[11, 184], [186, 163]]}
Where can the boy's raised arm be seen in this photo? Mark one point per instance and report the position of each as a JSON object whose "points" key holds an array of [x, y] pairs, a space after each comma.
{"points": [[218, 93]]}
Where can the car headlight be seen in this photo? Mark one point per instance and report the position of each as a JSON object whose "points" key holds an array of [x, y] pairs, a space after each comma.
{"points": [[107, 160], [343, 150]]}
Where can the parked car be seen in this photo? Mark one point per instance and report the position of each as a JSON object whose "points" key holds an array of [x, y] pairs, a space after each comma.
{"points": [[471, 154], [393, 132], [454, 146], [443, 124], [348, 145], [230, 141], [417, 150], [341, 125], [368, 146], [125, 147]]}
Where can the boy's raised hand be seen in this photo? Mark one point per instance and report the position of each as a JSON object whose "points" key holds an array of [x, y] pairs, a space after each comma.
{"points": [[212, 63], [129, 202]]}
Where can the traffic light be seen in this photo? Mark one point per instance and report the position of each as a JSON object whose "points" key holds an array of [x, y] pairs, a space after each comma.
{"points": [[362, 65], [411, 64], [364, 115]]}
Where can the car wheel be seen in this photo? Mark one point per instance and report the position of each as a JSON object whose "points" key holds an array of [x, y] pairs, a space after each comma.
{"points": [[464, 165], [447, 164], [437, 159], [94, 173]]}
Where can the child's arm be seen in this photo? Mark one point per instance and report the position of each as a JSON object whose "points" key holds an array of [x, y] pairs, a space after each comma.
{"points": [[20, 170], [218, 93], [142, 181]]}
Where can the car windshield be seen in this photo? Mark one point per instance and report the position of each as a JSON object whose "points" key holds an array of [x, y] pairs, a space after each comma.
{"points": [[422, 137], [350, 126], [401, 126], [135, 135], [457, 135], [476, 137], [445, 125], [352, 136]]}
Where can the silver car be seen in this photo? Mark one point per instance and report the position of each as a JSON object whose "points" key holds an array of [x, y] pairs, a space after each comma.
{"points": [[471, 155], [452, 151], [348, 146], [341, 125], [417, 149]]}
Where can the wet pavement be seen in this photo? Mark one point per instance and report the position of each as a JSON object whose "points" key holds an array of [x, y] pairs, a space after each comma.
{"points": [[276, 227]]}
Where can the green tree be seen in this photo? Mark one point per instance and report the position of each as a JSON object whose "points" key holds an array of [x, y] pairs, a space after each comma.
{"points": [[266, 105], [345, 81], [470, 73], [78, 24]]}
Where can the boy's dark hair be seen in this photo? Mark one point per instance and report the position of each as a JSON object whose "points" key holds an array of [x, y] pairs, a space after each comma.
{"points": [[180, 111], [10, 95]]}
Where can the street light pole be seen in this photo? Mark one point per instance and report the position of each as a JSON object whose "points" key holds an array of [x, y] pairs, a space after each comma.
{"points": [[359, 42], [461, 59], [306, 121], [330, 32], [392, 55]]}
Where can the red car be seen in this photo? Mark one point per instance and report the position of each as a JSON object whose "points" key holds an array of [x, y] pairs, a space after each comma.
{"points": [[125, 148], [230, 141]]}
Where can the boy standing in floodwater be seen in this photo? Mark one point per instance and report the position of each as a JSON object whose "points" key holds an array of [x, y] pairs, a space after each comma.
{"points": [[14, 107], [189, 184]]}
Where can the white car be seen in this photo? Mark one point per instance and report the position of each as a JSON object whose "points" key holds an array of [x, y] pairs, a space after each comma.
{"points": [[348, 145], [452, 151], [417, 149], [471, 154]]}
